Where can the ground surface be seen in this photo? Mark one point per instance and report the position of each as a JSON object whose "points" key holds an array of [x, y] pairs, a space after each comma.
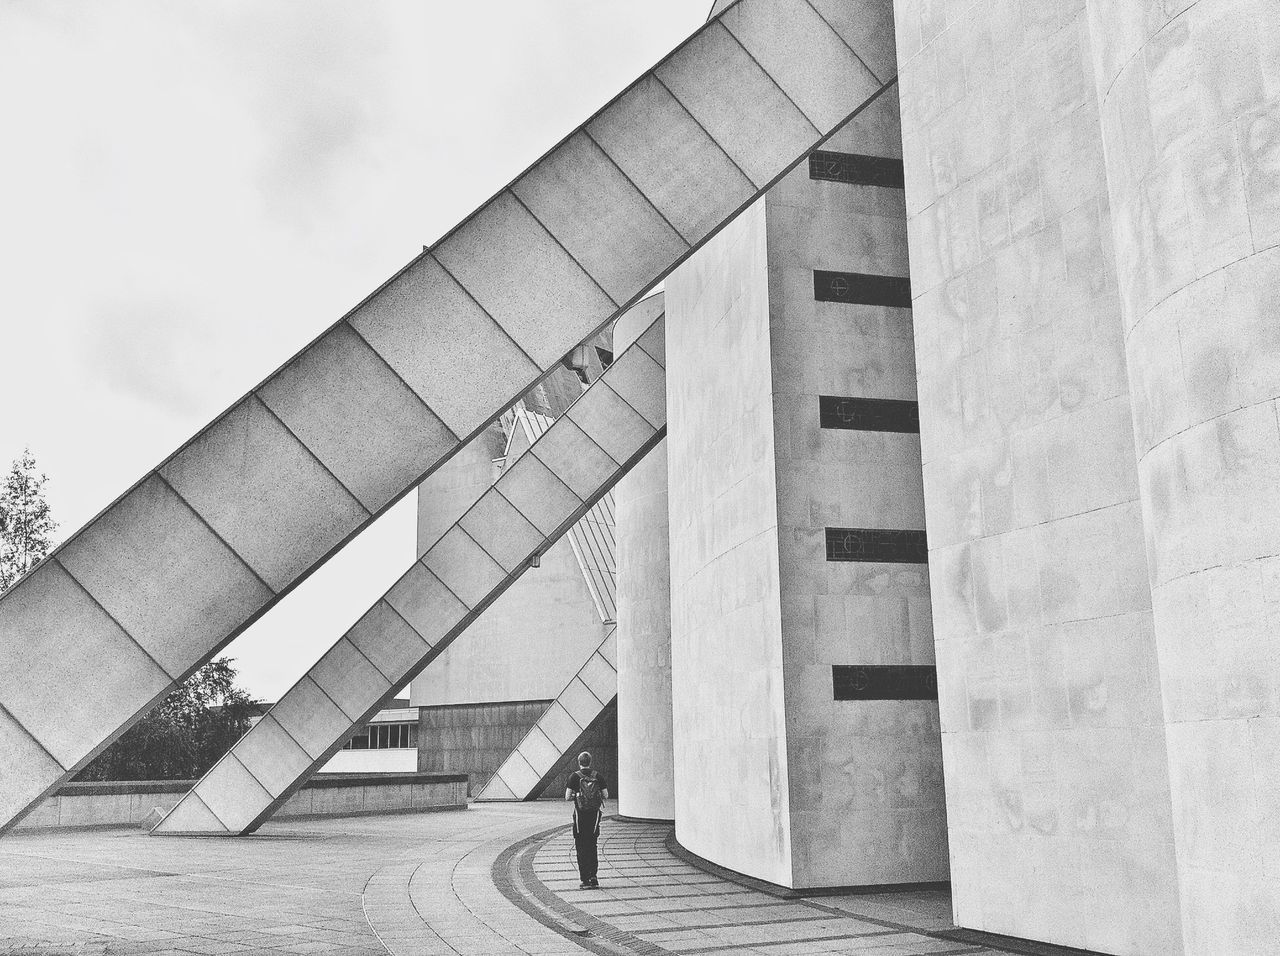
{"points": [[494, 880]]}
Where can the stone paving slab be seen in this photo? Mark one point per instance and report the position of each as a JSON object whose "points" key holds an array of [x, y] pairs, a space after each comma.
{"points": [[495, 880]]}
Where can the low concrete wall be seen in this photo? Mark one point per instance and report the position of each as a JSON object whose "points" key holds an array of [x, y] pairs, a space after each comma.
{"points": [[127, 803]]}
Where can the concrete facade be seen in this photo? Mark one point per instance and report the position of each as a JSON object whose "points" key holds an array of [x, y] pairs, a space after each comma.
{"points": [[646, 747], [1190, 122], [781, 781], [1057, 782]]}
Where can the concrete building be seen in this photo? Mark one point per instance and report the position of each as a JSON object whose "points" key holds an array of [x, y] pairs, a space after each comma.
{"points": [[967, 390]]}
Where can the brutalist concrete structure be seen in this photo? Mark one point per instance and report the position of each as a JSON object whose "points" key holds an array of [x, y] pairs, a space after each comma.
{"points": [[968, 396]]}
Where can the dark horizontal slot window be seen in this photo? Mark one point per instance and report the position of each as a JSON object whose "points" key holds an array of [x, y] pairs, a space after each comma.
{"points": [[876, 544], [859, 289], [869, 414], [855, 169], [884, 682]]}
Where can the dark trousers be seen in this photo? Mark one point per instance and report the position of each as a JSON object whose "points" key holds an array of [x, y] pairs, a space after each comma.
{"points": [[584, 841]]}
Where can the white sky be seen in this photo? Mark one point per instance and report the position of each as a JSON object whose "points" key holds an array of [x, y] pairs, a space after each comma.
{"points": [[190, 191]]}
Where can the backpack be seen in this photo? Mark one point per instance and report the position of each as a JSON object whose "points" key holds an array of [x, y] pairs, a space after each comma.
{"points": [[590, 799]]}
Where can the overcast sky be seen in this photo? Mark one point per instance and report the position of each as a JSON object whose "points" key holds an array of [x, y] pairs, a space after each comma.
{"points": [[190, 191]]}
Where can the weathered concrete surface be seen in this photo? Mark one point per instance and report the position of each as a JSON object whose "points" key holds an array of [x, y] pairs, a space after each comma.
{"points": [[528, 508], [560, 729], [1190, 99], [1057, 788], [646, 755], [277, 483], [865, 777]]}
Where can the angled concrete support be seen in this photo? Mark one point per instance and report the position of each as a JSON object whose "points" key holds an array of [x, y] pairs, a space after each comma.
{"points": [[178, 566], [569, 468], [525, 773]]}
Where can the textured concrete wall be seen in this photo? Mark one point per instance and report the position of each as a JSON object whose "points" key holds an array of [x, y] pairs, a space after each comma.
{"points": [[645, 747], [1057, 787], [731, 795], [1190, 96], [473, 738], [865, 777]]}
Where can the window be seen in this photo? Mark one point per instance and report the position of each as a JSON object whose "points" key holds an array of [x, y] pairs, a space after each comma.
{"points": [[884, 682], [384, 737], [877, 544], [869, 414], [856, 288], [856, 169]]}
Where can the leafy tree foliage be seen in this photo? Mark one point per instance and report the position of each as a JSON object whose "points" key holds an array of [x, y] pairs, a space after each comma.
{"points": [[185, 734], [26, 525]]}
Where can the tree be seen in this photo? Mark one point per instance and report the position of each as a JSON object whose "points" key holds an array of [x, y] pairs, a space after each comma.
{"points": [[185, 734], [26, 524]]}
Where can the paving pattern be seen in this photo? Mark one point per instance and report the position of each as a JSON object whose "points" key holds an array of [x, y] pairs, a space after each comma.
{"points": [[495, 880]]}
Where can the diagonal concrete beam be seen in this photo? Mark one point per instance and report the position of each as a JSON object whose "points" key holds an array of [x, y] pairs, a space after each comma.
{"points": [[173, 570], [569, 468], [527, 770]]}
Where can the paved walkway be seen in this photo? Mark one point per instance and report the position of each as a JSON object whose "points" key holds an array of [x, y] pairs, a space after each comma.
{"points": [[495, 880]]}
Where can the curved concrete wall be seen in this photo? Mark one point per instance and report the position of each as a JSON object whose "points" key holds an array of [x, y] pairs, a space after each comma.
{"points": [[1054, 751], [1190, 100], [646, 785]]}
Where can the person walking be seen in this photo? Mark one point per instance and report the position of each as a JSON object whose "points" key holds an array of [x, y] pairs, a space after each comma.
{"points": [[588, 790]]}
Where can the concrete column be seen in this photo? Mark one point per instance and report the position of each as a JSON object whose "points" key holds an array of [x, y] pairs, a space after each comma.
{"points": [[646, 786], [1058, 806], [1190, 100]]}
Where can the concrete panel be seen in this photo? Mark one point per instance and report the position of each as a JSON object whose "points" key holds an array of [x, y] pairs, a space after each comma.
{"points": [[674, 162], [264, 493], [654, 342], [523, 278], [560, 727], [576, 460], [272, 756], [421, 599], [609, 649], [502, 531], [164, 576], [19, 749], [311, 717], [53, 635], [190, 816], [357, 416], [752, 119], [496, 789], [538, 494], [388, 641], [580, 703], [585, 201], [611, 422], [351, 682], [867, 26], [806, 57], [519, 777], [601, 679], [431, 332], [464, 567], [233, 794], [641, 383], [538, 750]]}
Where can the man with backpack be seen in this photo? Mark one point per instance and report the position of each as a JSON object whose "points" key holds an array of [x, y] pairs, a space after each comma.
{"points": [[588, 791]]}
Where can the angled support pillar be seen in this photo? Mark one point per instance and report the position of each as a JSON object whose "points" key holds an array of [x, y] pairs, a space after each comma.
{"points": [[173, 570], [602, 435], [528, 769]]}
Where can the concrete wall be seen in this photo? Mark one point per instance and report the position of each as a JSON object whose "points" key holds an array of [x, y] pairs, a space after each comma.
{"points": [[645, 744], [128, 803], [1057, 788], [865, 776], [731, 799], [1190, 97], [473, 738], [390, 760]]}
